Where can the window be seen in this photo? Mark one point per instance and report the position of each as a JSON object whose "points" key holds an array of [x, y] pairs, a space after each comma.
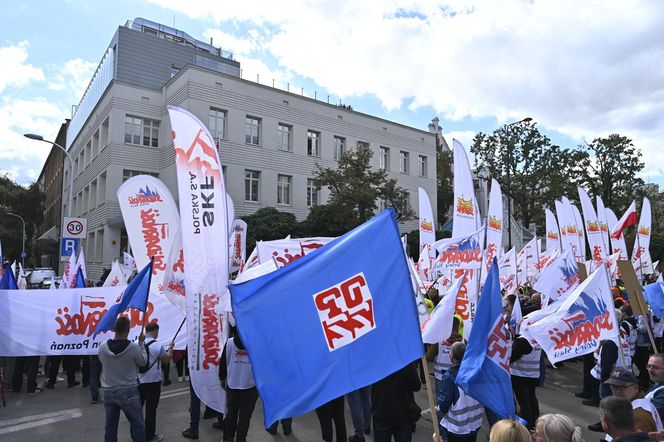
{"points": [[384, 158], [104, 134], [141, 131], [362, 144], [252, 180], [339, 147], [252, 130], [217, 124], [313, 143], [284, 141], [404, 204], [126, 174], [422, 165], [404, 162], [312, 193], [99, 246], [93, 194], [85, 201], [76, 167], [102, 188], [90, 246], [284, 189]]}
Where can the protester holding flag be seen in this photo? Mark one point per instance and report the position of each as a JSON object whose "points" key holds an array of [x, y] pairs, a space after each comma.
{"points": [[120, 361], [330, 413], [525, 372], [462, 415], [393, 405], [656, 373]]}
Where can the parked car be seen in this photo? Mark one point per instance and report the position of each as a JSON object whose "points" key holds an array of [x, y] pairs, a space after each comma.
{"points": [[38, 275]]}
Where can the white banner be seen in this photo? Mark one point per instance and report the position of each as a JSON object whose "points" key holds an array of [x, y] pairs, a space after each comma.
{"points": [[526, 261], [465, 202], [285, 251], [115, 277], [552, 231], [640, 253], [603, 224], [583, 320], [204, 232], [237, 245], [494, 229], [580, 232], [573, 230], [151, 218], [460, 253], [174, 275], [427, 230], [592, 224], [559, 278], [507, 266], [61, 322], [565, 238]]}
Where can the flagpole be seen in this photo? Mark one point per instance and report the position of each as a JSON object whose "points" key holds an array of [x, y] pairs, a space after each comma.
{"points": [[179, 328], [638, 298], [432, 404]]}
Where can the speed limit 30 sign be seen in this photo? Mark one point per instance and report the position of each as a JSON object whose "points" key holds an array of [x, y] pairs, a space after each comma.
{"points": [[75, 228]]}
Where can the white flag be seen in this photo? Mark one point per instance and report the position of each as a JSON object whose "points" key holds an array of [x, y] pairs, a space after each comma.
{"points": [[603, 224], [583, 320], [494, 229], [507, 266], [115, 277], [460, 253], [237, 245], [516, 317], [69, 272], [617, 244], [592, 224], [552, 231], [427, 231], [21, 282], [640, 256], [560, 277], [439, 325]]}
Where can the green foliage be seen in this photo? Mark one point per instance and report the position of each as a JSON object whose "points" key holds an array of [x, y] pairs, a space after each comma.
{"points": [[413, 242], [444, 184], [28, 203], [269, 223], [657, 246], [610, 170], [355, 190]]}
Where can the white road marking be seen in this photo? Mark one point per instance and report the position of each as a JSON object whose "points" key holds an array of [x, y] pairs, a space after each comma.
{"points": [[38, 420], [173, 393]]}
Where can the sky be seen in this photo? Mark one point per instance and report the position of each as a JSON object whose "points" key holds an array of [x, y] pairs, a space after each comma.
{"points": [[581, 70]]}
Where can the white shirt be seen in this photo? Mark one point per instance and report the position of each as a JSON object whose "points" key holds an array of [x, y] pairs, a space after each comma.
{"points": [[155, 351]]}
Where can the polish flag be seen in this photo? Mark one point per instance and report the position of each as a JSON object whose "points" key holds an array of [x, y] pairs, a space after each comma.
{"points": [[628, 219]]}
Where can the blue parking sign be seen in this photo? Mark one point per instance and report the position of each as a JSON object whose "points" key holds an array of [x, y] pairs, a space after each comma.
{"points": [[67, 246]]}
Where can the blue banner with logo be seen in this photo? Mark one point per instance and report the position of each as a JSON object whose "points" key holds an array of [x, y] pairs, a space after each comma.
{"points": [[338, 319]]}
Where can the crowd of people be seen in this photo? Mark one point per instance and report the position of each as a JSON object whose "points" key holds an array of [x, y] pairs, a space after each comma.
{"points": [[624, 379]]}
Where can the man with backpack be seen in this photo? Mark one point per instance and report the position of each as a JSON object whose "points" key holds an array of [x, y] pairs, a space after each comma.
{"points": [[149, 379]]}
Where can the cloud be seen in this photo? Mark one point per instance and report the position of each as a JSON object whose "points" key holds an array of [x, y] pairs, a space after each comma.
{"points": [[583, 69], [15, 71], [73, 76]]}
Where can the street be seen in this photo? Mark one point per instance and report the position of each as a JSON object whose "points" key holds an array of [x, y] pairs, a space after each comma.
{"points": [[65, 414]]}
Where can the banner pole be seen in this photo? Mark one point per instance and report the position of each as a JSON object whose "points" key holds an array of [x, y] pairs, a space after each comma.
{"points": [[432, 403], [639, 298], [179, 328]]}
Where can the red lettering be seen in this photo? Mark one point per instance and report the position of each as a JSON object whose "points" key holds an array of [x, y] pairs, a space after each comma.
{"points": [[211, 344], [326, 300], [352, 291], [152, 239]]}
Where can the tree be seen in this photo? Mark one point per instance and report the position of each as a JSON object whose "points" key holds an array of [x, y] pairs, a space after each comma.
{"points": [[444, 184], [354, 190], [540, 172], [269, 223], [610, 168], [26, 202]]}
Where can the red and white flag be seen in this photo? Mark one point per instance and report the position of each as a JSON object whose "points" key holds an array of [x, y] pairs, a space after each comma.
{"points": [[507, 267], [464, 252], [629, 218], [70, 271], [115, 277]]}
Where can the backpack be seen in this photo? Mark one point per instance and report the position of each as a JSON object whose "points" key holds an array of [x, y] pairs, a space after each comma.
{"points": [[147, 366]]}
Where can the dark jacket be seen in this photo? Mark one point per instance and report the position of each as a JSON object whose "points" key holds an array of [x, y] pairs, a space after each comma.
{"points": [[392, 398], [634, 437], [449, 393]]}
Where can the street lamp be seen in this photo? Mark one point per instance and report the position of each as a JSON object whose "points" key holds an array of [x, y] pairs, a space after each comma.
{"points": [[23, 247], [509, 184], [71, 165]]}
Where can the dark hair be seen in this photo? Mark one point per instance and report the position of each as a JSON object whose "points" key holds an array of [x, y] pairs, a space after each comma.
{"points": [[457, 350], [626, 309], [121, 325], [511, 299], [659, 356], [618, 412], [151, 327]]}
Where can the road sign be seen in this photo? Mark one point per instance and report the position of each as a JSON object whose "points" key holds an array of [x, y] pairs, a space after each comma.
{"points": [[67, 246], [75, 228]]}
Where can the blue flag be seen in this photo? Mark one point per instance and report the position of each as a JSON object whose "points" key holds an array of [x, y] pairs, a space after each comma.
{"points": [[8, 281], [134, 296], [654, 294], [485, 373], [338, 319], [80, 280]]}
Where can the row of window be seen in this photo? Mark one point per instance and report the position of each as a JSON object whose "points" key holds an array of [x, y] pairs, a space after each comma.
{"points": [[252, 187], [93, 246], [95, 144], [404, 161], [90, 196]]}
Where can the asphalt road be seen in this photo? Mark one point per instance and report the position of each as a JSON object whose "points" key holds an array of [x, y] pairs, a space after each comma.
{"points": [[65, 414]]}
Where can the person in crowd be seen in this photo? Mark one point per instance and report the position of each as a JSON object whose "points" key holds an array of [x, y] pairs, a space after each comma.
{"points": [[180, 359], [462, 415], [556, 428], [625, 385], [286, 425], [525, 373], [656, 372], [149, 379], [608, 357], [393, 407], [330, 413], [237, 378], [29, 365], [69, 363], [191, 432], [629, 328], [441, 352], [120, 359], [95, 374], [617, 418], [643, 350], [658, 331], [359, 403], [509, 430]]}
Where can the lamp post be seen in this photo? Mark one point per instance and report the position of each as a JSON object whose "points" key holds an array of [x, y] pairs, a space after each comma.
{"points": [[71, 165], [23, 246], [509, 184]]}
